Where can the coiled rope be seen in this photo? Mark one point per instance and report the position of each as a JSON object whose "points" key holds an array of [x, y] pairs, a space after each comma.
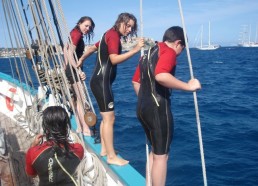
{"points": [[195, 99]]}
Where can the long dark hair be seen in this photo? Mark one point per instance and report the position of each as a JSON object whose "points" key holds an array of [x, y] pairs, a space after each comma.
{"points": [[90, 34], [125, 18], [174, 33], [56, 125]]}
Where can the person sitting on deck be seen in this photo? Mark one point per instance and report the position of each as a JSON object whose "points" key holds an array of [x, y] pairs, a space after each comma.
{"points": [[56, 159]]}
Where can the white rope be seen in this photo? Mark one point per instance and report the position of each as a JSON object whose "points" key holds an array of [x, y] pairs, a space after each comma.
{"points": [[90, 171], [82, 90], [195, 99], [148, 173], [141, 26]]}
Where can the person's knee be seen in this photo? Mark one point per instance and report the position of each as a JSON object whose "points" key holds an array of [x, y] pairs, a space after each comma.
{"points": [[160, 158], [108, 118]]}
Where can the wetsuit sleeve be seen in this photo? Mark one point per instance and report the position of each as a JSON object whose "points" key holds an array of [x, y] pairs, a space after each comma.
{"points": [[29, 169], [75, 36], [78, 150], [97, 44], [166, 62], [113, 42], [136, 76]]}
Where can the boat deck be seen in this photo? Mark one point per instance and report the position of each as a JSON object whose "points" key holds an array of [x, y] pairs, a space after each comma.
{"points": [[12, 164]]}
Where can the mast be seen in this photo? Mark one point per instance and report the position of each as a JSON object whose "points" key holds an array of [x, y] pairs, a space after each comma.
{"points": [[201, 35], [209, 33]]}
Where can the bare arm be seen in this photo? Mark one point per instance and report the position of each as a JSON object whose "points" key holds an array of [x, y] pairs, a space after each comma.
{"points": [[86, 54], [169, 81], [119, 58], [68, 53]]}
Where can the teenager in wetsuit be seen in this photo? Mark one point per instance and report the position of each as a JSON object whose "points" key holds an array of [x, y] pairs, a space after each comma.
{"points": [[109, 55], [42, 159], [153, 78], [84, 27]]}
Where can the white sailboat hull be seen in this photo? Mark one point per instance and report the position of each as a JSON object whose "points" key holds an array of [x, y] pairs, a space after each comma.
{"points": [[15, 98], [210, 47]]}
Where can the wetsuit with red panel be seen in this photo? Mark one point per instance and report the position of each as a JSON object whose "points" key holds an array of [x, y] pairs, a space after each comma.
{"points": [[153, 108], [77, 41], [105, 72], [41, 161]]}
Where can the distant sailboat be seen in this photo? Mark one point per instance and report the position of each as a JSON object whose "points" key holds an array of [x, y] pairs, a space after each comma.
{"points": [[245, 37], [209, 46]]}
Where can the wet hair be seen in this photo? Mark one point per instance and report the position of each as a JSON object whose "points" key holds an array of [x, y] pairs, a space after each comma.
{"points": [[125, 18], [56, 125], [174, 33], [90, 34]]}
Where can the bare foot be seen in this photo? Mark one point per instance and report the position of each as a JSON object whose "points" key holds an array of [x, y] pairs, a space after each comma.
{"points": [[103, 153], [117, 161]]}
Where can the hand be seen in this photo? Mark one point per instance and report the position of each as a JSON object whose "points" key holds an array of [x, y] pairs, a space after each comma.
{"points": [[140, 44], [38, 139], [194, 84], [79, 64], [82, 75]]}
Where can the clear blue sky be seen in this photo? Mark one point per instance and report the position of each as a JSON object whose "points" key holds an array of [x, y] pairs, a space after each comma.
{"points": [[226, 17]]}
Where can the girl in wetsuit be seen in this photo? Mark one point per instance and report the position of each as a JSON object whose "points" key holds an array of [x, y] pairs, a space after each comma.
{"points": [[153, 78], [84, 27], [42, 159], [109, 55]]}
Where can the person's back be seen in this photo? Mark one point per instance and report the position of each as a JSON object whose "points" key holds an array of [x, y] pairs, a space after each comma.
{"points": [[56, 160]]}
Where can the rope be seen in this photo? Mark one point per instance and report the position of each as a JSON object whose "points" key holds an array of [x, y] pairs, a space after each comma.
{"points": [[195, 99], [59, 163], [147, 147], [84, 171], [141, 26]]}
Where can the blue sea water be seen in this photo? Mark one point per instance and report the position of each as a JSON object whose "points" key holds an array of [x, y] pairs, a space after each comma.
{"points": [[227, 103]]}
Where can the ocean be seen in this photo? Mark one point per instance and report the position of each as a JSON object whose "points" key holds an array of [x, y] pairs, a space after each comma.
{"points": [[227, 103]]}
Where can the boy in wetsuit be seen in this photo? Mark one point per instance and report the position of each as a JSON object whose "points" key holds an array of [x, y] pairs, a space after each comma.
{"points": [[153, 78]]}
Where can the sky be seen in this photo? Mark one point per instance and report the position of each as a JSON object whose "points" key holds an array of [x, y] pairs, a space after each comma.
{"points": [[226, 17]]}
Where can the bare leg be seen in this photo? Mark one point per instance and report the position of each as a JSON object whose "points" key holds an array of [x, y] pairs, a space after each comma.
{"points": [[103, 147], [80, 112], [107, 135], [159, 170], [73, 103]]}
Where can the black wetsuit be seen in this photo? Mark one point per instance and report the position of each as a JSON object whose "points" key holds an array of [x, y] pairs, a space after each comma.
{"points": [[103, 77], [153, 109], [79, 52]]}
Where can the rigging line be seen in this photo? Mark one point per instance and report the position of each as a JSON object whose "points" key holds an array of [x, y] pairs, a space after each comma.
{"points": [[26, 19], [70, 99], [195, 99], [46, 54], [141, 26], [26, 72], [147, 147], [27, 42], [15, 60], [63, 90], [41, 47], [83, 87], [56, 23], [5, 39]]}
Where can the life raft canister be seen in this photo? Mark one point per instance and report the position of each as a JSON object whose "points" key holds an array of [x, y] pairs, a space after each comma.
{"points": [[9, 101]]}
